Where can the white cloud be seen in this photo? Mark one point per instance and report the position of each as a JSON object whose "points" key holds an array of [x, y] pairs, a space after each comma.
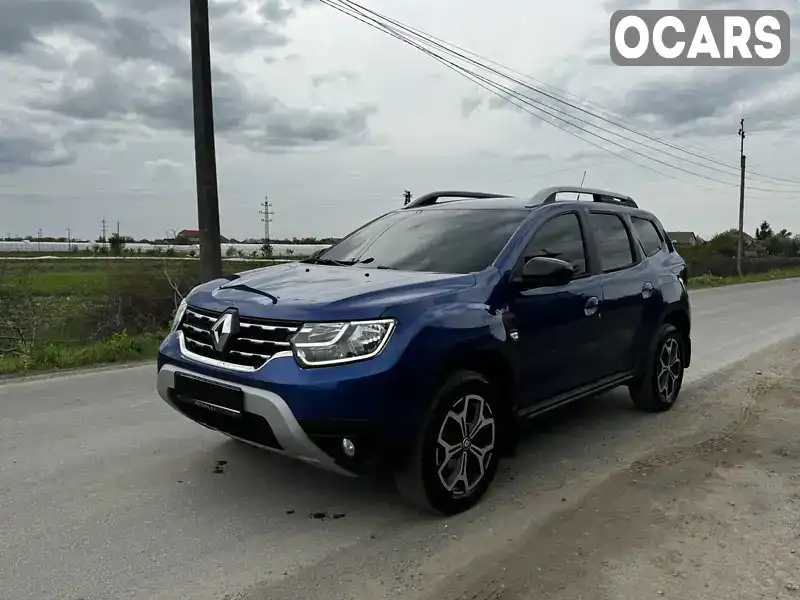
{"points": [[334, 120]]}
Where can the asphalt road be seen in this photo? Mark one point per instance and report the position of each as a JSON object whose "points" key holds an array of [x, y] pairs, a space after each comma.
{"points": [[107, 493]]}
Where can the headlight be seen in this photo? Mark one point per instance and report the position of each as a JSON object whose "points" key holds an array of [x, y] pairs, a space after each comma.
{"points": [[176, 320], [321, 344]]}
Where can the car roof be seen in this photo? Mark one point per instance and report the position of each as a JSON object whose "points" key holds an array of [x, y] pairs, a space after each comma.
{"points": [[478, 203], [544, 196], [526, 203]]}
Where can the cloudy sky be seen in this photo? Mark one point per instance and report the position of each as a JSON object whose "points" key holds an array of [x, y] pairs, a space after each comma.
{"points": [[333, 120]]}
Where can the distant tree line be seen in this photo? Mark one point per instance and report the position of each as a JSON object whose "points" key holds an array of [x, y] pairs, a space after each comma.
{"points": [[766, 242], [130, 240]]}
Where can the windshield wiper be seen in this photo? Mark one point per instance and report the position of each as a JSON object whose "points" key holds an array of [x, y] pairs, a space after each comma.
{"points": [[370, 260], [330, 261]]}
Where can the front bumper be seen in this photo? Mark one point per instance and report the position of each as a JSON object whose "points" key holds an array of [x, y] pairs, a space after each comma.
{"points": [[267, 422]]}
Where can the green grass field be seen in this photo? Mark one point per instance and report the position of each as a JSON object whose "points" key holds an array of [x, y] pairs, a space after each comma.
{"points": [[61, 314], [708, 281], [72, 313]]}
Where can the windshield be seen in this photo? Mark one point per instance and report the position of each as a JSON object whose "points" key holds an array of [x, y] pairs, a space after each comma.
{"points": [[438, 241]]}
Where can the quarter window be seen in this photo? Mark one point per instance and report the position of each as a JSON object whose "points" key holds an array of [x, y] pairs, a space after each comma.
{"points": [[648, 234]]}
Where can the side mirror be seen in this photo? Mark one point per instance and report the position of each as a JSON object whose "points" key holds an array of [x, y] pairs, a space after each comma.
{"points": [[543, 271]]}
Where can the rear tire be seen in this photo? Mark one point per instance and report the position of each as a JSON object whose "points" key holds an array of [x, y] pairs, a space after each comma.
{"points": [[658, 389], [455, 456]]}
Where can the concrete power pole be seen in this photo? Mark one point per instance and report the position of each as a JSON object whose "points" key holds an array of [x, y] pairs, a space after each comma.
{"points": [[740, 242], [266, 218], [69, 239], [104, 227], [204, 148]]}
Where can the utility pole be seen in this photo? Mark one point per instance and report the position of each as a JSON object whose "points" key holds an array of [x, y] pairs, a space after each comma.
{"points": [[104, 228], [266, 218], [69, 239], [204, 148], [39, 240], [117, 228], [406, 197], [740, 243]]}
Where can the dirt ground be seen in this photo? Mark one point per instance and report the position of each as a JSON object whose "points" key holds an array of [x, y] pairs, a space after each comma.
{"points": [[716, 517]]}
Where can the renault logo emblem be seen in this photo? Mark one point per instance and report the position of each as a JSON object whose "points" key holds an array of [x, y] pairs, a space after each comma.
{"points": [[224, 329]]}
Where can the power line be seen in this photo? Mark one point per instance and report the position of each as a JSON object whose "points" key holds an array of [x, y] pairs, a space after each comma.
{"points": [[478, 79], [538, 103], [565, 93], [443, 43], [600, 108], [354, 10]]}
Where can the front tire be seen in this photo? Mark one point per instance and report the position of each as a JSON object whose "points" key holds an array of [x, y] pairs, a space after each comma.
{"points": [[455, 456], [658, 390]]}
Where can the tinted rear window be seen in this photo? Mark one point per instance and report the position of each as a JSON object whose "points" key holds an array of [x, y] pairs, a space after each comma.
{"points": [[613, 242], [432, 240]]}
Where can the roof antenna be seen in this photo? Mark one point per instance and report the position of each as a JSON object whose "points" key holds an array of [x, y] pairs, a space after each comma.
{"points": [[578, 197]]}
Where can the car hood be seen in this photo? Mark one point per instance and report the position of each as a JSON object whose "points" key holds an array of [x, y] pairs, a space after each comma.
{"points": [[302, 291]]}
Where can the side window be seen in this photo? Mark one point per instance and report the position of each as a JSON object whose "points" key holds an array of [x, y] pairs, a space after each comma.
{"points": [[560, 237], [648, 234], [613, 242]]}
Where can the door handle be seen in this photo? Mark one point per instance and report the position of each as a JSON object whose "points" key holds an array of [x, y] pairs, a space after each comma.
{"points": [[592, 304], [647, 290]]}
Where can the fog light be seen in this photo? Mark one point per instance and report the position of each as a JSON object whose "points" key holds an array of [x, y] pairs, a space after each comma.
{"points": [[348, 447]]}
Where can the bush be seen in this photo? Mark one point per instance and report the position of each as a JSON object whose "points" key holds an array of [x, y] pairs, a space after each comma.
{"points": [[116, 244], [723, 266], [144, 303], [73, 313]]}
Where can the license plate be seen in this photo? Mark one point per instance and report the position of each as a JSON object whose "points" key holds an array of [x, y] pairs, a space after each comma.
{"points": [[210, 395]]}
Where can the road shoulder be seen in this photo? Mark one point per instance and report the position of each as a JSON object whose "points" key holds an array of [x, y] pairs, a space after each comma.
{"points": [[717, 516]]}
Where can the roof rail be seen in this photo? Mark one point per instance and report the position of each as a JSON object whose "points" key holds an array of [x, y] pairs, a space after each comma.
{"points": [[432, 197], [548, 195]]}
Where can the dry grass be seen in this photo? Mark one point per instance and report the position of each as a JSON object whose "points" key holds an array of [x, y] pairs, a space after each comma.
{"points": [[61, 313]]}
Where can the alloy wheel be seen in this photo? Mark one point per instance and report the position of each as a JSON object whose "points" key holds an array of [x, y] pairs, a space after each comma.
{"points": [[465, 444], [670, 370]]}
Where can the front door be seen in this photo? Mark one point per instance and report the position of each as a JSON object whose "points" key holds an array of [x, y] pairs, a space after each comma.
{"points": [[558, 327]]}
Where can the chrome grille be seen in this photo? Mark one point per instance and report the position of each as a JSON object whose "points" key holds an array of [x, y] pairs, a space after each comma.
{"points": [[256, 342]]}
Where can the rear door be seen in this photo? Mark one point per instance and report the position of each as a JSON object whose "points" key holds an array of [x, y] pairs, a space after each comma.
{"points": [[559, 327], [626, 282], [660, 264]]}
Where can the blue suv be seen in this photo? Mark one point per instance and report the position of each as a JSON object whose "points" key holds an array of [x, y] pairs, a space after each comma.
{"points": [[421, 340]]}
